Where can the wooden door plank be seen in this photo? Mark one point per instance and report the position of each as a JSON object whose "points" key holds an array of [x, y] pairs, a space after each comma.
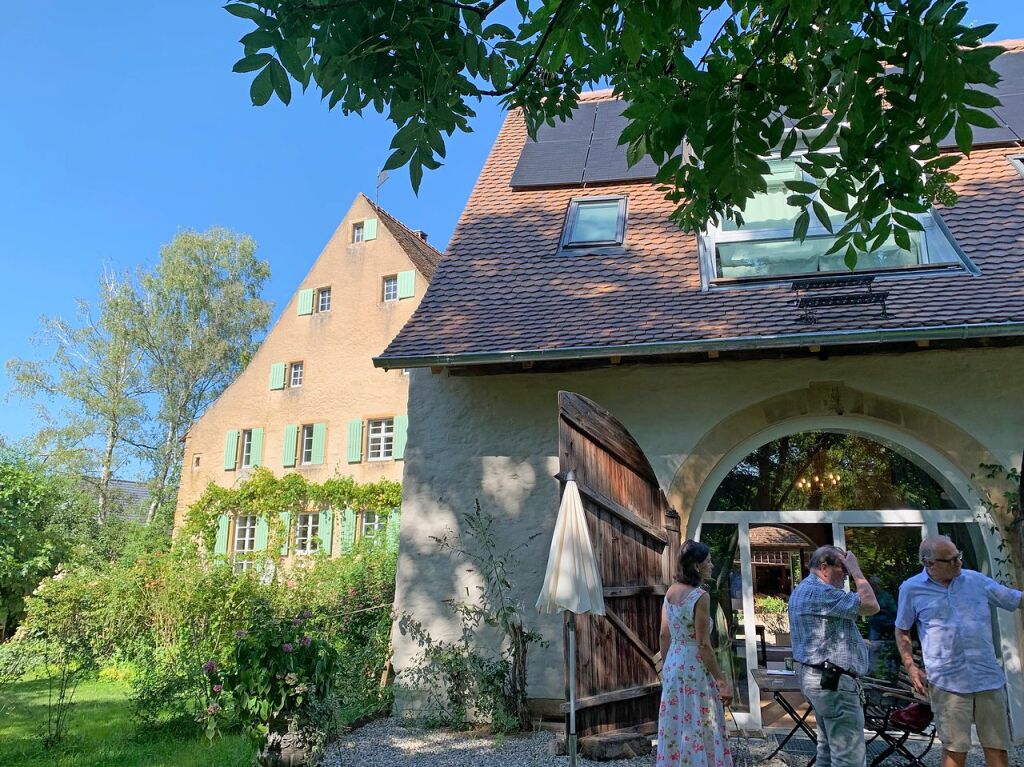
{"points": [[613, 697], [622, 513]]}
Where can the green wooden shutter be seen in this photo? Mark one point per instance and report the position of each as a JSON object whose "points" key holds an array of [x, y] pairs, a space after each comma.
{"points": [[231, 449], [256, 448], [406, 284], [327, 531], [291, 438], [348, 531], [319, 442], [369, 229], [277, 371], [220, 545], [393, 529], [286, 519], [355, 440], [260, 544], [306, 301], [401, 430]]}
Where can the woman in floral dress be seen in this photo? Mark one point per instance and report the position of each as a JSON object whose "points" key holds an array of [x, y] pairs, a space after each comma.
{"points": [[691, 725]]}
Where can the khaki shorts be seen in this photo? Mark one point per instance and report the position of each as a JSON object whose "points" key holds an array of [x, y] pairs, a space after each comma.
{"points": [[955, 712]]}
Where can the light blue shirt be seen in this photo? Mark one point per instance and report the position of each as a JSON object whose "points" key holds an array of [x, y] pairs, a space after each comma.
{"points": [[954, 624]]}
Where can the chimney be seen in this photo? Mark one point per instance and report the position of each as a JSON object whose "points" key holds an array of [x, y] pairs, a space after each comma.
{"points": [[420, 233]]}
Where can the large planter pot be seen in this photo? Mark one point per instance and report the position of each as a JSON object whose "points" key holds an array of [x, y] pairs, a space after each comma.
{"points": [[284, 747]]}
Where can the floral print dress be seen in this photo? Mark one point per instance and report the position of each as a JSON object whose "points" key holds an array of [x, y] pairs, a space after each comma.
{"points": [[691, 725]]}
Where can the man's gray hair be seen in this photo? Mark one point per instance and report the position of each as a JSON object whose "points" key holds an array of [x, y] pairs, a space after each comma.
{"points": [[826, 555], [931, 543]]}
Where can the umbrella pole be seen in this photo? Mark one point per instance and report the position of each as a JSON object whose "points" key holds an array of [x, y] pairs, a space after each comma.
{"points": [[571, 741]]}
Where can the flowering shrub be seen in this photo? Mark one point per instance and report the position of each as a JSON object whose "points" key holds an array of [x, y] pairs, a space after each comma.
{"points": [[278, 666]]}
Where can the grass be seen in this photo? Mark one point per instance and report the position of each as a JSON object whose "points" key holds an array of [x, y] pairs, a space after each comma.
{"points": [[102, 733]]}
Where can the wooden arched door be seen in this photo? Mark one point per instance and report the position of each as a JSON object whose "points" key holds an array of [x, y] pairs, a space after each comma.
{"points": [[635, 534]]}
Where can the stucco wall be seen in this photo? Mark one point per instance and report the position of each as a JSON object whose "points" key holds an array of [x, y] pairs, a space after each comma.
{"points": [[339, 381], [495, 438]]}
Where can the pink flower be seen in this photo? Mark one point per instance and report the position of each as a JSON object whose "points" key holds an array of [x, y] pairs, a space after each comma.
{"points": [[218, 688], [209, 667], [305, 641], [286, 647], [241, 634], [213, 709], [297, 622], [307, 613]]}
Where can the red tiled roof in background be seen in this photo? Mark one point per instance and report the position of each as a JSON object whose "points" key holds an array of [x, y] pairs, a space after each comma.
{"points": [[504, 288], [425, 257]]}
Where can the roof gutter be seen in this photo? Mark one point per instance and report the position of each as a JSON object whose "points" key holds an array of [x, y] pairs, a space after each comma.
{"points": [[935, 333]]}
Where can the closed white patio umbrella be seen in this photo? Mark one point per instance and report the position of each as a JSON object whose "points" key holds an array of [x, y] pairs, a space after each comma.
{"points": [[572, 582]]}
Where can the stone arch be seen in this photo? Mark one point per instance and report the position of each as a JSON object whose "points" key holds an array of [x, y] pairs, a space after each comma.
{"points": [[829, 403]]}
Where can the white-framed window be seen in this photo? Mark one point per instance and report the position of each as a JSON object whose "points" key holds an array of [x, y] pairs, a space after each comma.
{"points": [[306, 446], [246, 448], [307, 533], [358, 233], [323, 300], [595, 222], [371, 524], [764, 247], [390, 291], [295, 374], [1017, 161], [244, 540], [380, 439]]}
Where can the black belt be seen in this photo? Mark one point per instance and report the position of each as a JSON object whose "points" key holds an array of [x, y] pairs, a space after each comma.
{"points": [[821, 667]]}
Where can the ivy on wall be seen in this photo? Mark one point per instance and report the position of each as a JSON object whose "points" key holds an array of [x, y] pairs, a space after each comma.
{"points": [[278, 499]]}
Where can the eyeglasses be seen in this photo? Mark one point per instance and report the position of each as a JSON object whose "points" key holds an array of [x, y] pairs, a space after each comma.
{"points": [[958, 558]]}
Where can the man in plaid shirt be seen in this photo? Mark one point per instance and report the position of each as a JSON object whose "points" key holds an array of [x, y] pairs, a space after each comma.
{"points": [[823, 622]]}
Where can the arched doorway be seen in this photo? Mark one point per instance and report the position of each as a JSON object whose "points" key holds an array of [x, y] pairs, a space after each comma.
{"points": [[795, 491]]}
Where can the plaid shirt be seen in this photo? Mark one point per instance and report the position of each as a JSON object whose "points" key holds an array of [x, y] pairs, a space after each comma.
{"points": [[823, 622]]}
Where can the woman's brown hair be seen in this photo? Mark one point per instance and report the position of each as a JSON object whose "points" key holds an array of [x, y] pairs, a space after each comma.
{"points": [[691, 555]]}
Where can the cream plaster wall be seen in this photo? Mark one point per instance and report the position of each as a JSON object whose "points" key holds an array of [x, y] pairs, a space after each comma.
{"points": [[339, 381], [495, 438]]}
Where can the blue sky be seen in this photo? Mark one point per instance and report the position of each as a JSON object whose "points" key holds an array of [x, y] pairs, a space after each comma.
{"points": [[122, 123]]}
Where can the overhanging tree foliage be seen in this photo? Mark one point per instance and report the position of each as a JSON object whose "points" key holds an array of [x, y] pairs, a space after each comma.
{"points": [[884, 81]]}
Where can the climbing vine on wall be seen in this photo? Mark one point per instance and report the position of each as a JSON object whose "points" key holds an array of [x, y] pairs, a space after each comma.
{"points": [[271, 498]]}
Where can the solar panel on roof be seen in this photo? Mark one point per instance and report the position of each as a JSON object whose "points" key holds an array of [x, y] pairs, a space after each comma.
{"points": [[1012, 113], [579, 126], [607, 162], [550, 163]]}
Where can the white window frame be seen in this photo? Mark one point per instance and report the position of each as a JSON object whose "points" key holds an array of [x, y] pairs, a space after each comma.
{"points": [[307, 533], [571, 215], [380, 439], [245, 458], [323, 299], [389, 288], [306, 445], [371, 524], [244, 540], [358, 232], [295, 381], [714, 234]]}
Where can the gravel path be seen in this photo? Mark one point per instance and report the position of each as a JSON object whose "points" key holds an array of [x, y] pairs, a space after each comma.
{"points": [[386, 743]]}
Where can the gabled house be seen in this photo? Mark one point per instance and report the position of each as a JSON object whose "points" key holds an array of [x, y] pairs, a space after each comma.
{"points": [[310, 400], [734, 386]]}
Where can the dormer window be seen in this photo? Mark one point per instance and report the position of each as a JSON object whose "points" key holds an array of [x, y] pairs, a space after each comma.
{"points": [[595, 222], [764, 247]]}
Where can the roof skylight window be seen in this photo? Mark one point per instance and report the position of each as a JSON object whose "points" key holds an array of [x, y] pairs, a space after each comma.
{"points": [[595, 221]]}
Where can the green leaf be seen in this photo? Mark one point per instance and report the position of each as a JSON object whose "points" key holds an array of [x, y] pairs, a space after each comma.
{"points": [[908, 221], [252, 63], [262, 88], [803, 187], [981, 119], [902, 238], [979, 99], [248, 12], [822, 215], [788, 145], [963, 135], [803, 221], [279, 80]]}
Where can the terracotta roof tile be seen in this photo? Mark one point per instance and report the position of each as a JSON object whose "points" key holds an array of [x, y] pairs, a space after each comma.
{"points": [[504, 288], [424, 257]]}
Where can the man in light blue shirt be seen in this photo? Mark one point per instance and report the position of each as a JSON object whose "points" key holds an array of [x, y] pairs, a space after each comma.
{"points": [[952, 609]]}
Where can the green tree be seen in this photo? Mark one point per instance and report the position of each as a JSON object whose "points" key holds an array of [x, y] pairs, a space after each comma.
{"points": [[95, 373], [196, 319], [42, 522], [883, 81]]}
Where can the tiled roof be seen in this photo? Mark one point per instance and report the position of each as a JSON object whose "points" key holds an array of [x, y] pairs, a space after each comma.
{"points": [[425, 257], [504, 291]]}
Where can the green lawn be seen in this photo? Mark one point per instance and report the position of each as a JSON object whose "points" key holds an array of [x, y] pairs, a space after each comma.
{"points": [[101, 732]]}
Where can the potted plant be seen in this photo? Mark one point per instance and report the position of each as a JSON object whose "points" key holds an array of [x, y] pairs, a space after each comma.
{"points": [[281, 671], [773, 614]]}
